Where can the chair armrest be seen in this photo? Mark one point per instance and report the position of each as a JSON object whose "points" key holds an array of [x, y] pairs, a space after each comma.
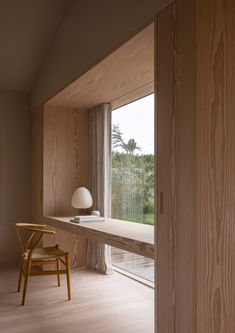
{"points": [[30, 225]]}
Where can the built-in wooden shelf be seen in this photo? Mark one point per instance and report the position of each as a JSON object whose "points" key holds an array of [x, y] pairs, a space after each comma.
{"points": [[129, 236]]}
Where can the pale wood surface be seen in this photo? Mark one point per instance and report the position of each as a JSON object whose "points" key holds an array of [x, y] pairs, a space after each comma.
{"points": [[200, 289], [176, 163], [133, 237], [100, 304], [125, 75], [184, 72], [66, 161], [165, 123], [37, 164], [66, 167], [216, 167]]}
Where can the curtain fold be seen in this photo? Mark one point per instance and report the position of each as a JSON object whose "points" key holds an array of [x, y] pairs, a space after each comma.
{"points": [[99, 254]]}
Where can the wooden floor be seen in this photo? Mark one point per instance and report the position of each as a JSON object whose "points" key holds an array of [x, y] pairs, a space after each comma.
{"points": [[100, 303]]}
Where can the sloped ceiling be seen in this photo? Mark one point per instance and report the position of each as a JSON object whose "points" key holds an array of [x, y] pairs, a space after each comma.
{"points": [[27, 30]]}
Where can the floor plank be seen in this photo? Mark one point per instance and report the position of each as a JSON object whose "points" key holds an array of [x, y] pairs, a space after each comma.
{"points": [[107, 304]]}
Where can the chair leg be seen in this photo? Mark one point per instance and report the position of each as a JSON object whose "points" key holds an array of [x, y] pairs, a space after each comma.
{"points": [[58, 268], [21, 273], [67, 261], [28, 264]]}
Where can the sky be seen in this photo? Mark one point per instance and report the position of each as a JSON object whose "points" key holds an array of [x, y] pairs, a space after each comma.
{"points": [[136, 121]]}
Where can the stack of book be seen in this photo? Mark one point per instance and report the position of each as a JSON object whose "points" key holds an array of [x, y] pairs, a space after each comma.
{"points": [[86, 218]]}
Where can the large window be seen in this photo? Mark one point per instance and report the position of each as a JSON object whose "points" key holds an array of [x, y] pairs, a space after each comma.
{"points": [[133, 161], [133, 175]]}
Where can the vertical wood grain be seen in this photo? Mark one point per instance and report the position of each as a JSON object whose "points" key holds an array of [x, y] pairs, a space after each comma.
{"points": [[37, 164], [185, 209], [66, 166], [176, 163], [216, 166], [66, 163], [165, 143]]}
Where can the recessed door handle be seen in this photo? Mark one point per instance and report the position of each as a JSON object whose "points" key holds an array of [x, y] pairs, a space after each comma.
{"points": [[161, 203]]}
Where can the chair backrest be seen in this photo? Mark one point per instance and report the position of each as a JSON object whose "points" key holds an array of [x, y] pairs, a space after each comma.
{"points": [[30, 235]]}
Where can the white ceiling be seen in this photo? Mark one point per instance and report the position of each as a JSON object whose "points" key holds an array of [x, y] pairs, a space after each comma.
{"points": [[27, 29]]}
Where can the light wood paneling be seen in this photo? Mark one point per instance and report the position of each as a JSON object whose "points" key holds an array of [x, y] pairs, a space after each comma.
{"points": [[37, 164], [66, 167], [66, 157], [185, 176], [203, 101], [125, 75], [60, 160], [100, 303], [216, 166], [165, 144], [176, 162]]}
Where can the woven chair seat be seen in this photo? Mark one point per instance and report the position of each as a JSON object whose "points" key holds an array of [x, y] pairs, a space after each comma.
{"points": [[46, 253]]}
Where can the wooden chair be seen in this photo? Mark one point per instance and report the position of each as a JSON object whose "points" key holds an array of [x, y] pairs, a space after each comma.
{"points": [[30, 237]]}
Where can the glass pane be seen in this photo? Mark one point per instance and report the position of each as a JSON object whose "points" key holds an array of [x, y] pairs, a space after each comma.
{"points": [[133, 176], [133, 161], [133, 263]]}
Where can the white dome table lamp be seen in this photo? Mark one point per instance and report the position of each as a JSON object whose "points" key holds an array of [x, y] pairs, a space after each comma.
{"points": [[82, 198]]}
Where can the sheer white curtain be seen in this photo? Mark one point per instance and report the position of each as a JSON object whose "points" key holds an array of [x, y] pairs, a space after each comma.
{"points": [[98, 254]]}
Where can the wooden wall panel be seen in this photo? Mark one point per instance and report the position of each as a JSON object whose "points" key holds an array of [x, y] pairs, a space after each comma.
{"points": [[185, 208], [216, 166], [37, 165], [66, 166], [196, 167], [165, 162], [176, 163], [66, 160]]}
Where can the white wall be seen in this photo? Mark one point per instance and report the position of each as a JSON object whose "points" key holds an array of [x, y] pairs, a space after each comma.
{"points": [[15, 169], [89, 31]]}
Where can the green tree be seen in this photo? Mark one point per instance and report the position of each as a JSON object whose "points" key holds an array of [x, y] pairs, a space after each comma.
{"points": [[132, 181], [117, 141]]}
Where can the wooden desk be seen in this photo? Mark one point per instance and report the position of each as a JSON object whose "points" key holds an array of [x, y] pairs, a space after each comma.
{"points": [[129, 236]]}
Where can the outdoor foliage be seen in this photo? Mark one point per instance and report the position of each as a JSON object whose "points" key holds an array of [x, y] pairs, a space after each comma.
{"points": [[132, 181]]}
